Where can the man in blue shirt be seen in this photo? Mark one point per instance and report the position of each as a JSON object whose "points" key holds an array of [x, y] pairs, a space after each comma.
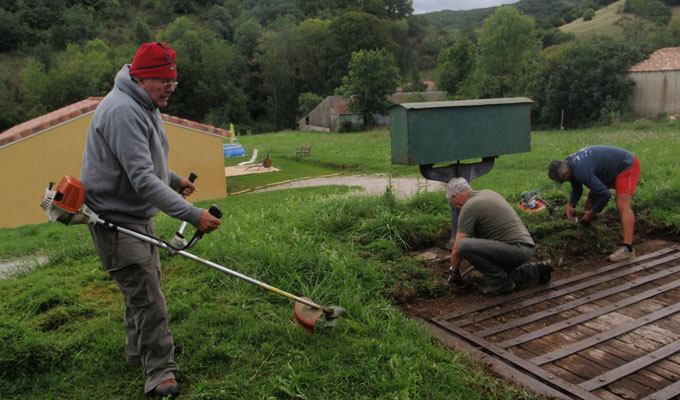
{"points": [[601, 168]]}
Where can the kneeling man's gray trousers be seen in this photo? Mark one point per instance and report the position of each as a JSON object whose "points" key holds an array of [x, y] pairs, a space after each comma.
{"points": [[499, 260]]}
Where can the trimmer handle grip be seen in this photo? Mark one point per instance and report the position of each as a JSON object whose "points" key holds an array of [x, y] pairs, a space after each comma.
{"points": [[192, 177], [215, 211]]}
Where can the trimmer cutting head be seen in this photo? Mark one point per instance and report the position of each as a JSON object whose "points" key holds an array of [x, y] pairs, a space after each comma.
{"points": [[307, 316]]}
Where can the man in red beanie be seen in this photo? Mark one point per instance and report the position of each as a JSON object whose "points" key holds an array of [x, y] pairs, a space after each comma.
{"points": [[127, 181]]}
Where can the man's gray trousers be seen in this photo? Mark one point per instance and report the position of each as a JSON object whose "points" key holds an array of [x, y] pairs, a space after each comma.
{"points": [[135, 266], [499, 260]]}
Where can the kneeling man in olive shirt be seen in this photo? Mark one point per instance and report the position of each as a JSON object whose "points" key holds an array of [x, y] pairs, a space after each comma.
{"points": [[493, 239]]}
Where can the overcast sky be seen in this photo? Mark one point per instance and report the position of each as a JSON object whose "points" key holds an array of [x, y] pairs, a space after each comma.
{"points": [[424, 6]]}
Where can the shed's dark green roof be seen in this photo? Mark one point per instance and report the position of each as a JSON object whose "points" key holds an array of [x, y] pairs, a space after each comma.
{"points": [[463, 103]]}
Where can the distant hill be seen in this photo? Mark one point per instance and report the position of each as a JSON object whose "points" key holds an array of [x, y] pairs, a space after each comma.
{"points": [[472, 19], [603, 23]]}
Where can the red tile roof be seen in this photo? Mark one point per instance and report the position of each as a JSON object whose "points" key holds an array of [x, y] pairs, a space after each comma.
{"points": [[341, 109], [667, 59], [75, 110]]}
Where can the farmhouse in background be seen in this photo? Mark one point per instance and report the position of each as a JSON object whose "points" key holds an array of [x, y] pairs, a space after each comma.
{"points": [[44, 149], [333, 110], [657, 83]]}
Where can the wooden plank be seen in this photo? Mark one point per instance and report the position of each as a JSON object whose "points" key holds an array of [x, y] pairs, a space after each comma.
{"points": [[645, 382], [629, 389], [581, 367], [669, 392], [499, 367], [517, 361], [630, 367], [606, 395], [644, 377], [532, 291], [587, 316], [606, 335], [665, 368], [499, 309], [583, 300]]}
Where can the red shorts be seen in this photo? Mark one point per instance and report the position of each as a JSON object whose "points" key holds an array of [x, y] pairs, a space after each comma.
{"points": [[627, 180]]}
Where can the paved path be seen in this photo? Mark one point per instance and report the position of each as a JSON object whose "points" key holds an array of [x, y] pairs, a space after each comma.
{"points": [[23, 263], [372, 184]]}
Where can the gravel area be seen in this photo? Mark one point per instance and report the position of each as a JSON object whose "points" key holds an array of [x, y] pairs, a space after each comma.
{"points": [[373, 184], [7, 266]]}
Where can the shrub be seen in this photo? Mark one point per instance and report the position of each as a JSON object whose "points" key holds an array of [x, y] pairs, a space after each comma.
{"points": [[588, 14], [347, 126]]}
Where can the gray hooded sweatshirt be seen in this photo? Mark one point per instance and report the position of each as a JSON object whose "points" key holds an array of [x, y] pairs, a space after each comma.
{"points": [[125, 164]]}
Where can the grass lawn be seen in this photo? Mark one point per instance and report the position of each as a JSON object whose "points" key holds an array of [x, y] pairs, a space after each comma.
{"points": [[61, 326]]}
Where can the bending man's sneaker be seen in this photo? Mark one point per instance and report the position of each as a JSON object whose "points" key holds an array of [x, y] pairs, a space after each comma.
{"points": [[544, 271], [168, 387], [621, 254]]}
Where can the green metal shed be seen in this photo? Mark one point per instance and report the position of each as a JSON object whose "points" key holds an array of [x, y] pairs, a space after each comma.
{"points": [[442, 131]]}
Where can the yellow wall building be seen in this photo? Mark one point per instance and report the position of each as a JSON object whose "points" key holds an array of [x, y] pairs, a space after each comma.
{"points": [[44, 149]]}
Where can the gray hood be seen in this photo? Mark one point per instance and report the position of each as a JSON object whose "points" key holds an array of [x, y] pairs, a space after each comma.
{"points": [[125, 164]]}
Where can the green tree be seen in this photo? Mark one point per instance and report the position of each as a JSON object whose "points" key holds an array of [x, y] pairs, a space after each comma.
{"points": [[78, 73], [371, 78], [588, 14], [142, 33], [307, 102], [587, 80], [246, 35], [309, 42], [13, 31], [276, 62], [398, 9], [220, 21], [654, 10], [76, 25], [354, 31], [212, 75], [673, 31], [455, 64], [635, 28], [508, 52]]}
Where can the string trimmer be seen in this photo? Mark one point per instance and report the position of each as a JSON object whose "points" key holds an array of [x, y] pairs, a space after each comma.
{"points": [[67, 205]]}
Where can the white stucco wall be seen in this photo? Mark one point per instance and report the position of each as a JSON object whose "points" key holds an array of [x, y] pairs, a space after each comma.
{"points": [[655, 93]]}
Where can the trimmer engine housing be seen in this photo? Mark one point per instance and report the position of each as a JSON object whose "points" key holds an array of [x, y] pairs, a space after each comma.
{"points": [[66, 204]]}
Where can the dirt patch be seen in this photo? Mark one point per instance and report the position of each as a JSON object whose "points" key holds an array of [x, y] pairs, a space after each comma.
{"points": [[458, 298]]}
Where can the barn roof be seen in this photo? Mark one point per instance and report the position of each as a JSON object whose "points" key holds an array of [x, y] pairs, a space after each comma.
{"points": [[65, 114], [666, 59], [341, 109]]}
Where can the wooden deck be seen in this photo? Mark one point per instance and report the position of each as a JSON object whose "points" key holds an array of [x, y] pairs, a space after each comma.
{"points": [[607, 334]]}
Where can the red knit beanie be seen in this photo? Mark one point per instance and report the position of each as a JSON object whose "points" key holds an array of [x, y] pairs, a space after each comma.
{"points": [[154, 60]]}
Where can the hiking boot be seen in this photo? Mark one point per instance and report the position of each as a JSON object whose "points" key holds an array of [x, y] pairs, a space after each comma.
{"points": [[544, 271], [498, 288], [168, 387], [621, 254]]}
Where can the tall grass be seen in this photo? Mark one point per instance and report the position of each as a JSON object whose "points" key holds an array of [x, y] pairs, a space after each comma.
{"points": [[62, 336]]}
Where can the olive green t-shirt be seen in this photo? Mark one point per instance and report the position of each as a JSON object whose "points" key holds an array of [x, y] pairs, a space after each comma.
{"points": [[486, 215]]}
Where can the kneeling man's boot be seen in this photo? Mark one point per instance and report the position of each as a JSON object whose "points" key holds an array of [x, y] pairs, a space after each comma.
{"points": [[501, 287]]}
